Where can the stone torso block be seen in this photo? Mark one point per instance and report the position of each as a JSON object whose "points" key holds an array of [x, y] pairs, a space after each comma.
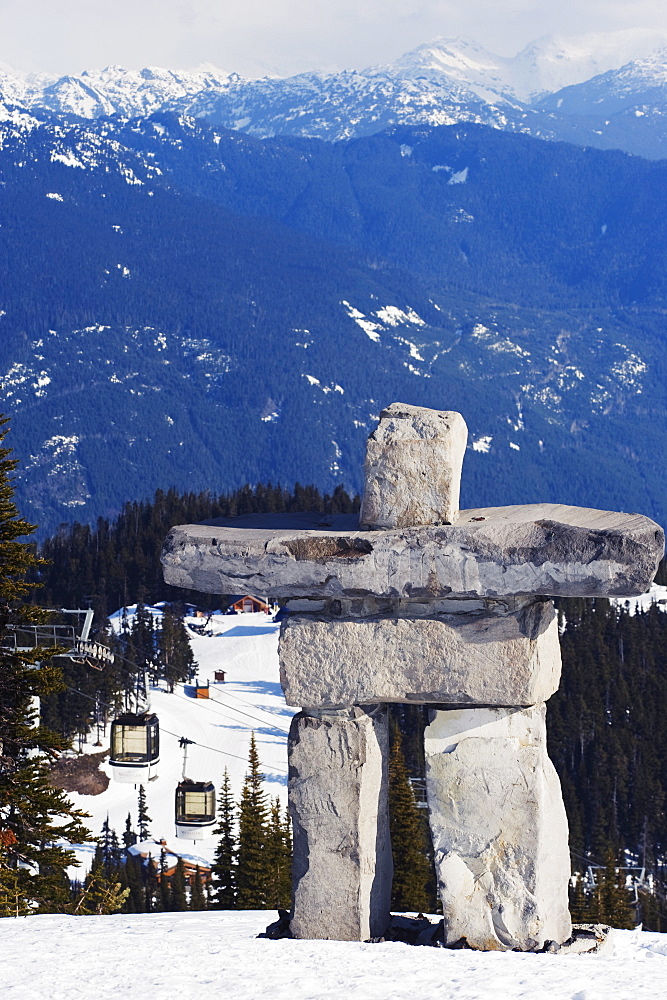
{"points": [[496, 655]]}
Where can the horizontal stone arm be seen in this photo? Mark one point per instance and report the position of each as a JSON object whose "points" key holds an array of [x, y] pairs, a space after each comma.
{"points": [[536, 549]]}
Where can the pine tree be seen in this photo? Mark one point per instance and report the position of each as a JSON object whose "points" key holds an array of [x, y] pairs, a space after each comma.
{"points": [[175, 659], [408, 842], [136, 901], [101, 893], [163, 901], [612, 899], [580, 906], [253, 821], [198, 899], [129, 836], [278, 863], [224, 864], [143, 819], [143, 638], [177, 896], [34, 816], [152, 897]]}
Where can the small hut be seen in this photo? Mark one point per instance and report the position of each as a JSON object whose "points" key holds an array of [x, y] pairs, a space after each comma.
{"points": [[248, 604]]}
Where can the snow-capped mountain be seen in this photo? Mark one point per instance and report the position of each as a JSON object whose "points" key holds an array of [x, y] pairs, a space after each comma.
{"points": [[545, 65], [639, 83], [442, 82], [114, 90]]}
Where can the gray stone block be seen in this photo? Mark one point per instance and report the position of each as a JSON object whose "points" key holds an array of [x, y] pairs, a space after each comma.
{"points": [[413, 467], [510, 658], [499, 829], [538, 549], [342, 867]]}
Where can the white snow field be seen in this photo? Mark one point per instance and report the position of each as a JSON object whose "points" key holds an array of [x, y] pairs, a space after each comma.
{"points": [[246, 647], [216, 956], [656, 595]]}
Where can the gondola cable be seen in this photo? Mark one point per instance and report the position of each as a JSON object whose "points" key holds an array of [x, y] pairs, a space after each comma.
{"points": [[225, 753]]}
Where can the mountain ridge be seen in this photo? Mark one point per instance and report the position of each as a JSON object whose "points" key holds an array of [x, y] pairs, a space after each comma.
{"points": [[541, 91]]}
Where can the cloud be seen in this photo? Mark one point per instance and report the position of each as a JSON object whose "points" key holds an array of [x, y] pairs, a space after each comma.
{"points": [[284, 36]]}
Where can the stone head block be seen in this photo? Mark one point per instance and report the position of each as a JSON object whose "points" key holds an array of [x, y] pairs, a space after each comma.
{"points": [[413, 465]]}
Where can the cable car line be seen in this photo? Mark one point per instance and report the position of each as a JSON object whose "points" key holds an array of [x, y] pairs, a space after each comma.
{"points": [[216, 701], [275, 767], [225, 753], [237, 722], [228, 694]]}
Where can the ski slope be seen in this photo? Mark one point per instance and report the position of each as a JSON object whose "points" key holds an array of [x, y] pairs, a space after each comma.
{"points": [[250, 700], [216, 954]]}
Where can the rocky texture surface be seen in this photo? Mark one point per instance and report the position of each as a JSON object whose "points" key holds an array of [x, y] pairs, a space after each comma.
{"points": [[342, 867], [537, 549], [476, 658], [413, 466], [499, 829]]}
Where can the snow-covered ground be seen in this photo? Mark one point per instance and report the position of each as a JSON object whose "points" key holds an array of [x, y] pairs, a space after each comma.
{"points": [[206, 956], [656, 595], [246, 647]]}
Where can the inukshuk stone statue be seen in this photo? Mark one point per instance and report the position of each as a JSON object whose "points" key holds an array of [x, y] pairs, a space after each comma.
{"points": [[423, 603]]}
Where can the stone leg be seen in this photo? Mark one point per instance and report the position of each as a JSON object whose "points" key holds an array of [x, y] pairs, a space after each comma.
{"points": [[342, 867], [499, 828]]}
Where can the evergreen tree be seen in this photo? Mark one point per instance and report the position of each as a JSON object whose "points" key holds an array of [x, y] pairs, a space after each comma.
{"points": [[175, 661], [177, 896], [198, 899], [129, 836], [253, 821], [136, 901], [278, 863], [143, 819], [408, 841], [611, 898], [34, 816], [101, 893], [163, 901], [152, 897], [224, 865], [580, 906]]}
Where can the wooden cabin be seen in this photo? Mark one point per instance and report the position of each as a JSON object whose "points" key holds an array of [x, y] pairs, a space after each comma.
{"points": [[249, 605], [161, 855]]}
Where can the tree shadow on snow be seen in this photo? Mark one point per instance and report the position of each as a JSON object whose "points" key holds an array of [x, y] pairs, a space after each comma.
{"points": [[245, 630], [259, 730], [269, 688]]}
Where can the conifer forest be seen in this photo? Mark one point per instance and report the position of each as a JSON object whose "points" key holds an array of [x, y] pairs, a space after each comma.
{"points": [[607, 729]]}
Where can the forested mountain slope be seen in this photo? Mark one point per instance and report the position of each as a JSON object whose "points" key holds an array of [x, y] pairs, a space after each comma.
{"points": [[191, 307]]}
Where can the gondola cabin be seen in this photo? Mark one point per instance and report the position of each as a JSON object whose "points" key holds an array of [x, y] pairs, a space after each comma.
{"points": [[195, 809], [135, 748]]}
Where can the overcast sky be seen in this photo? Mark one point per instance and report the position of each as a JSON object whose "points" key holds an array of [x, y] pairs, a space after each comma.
{"points": [[253, 37]]}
